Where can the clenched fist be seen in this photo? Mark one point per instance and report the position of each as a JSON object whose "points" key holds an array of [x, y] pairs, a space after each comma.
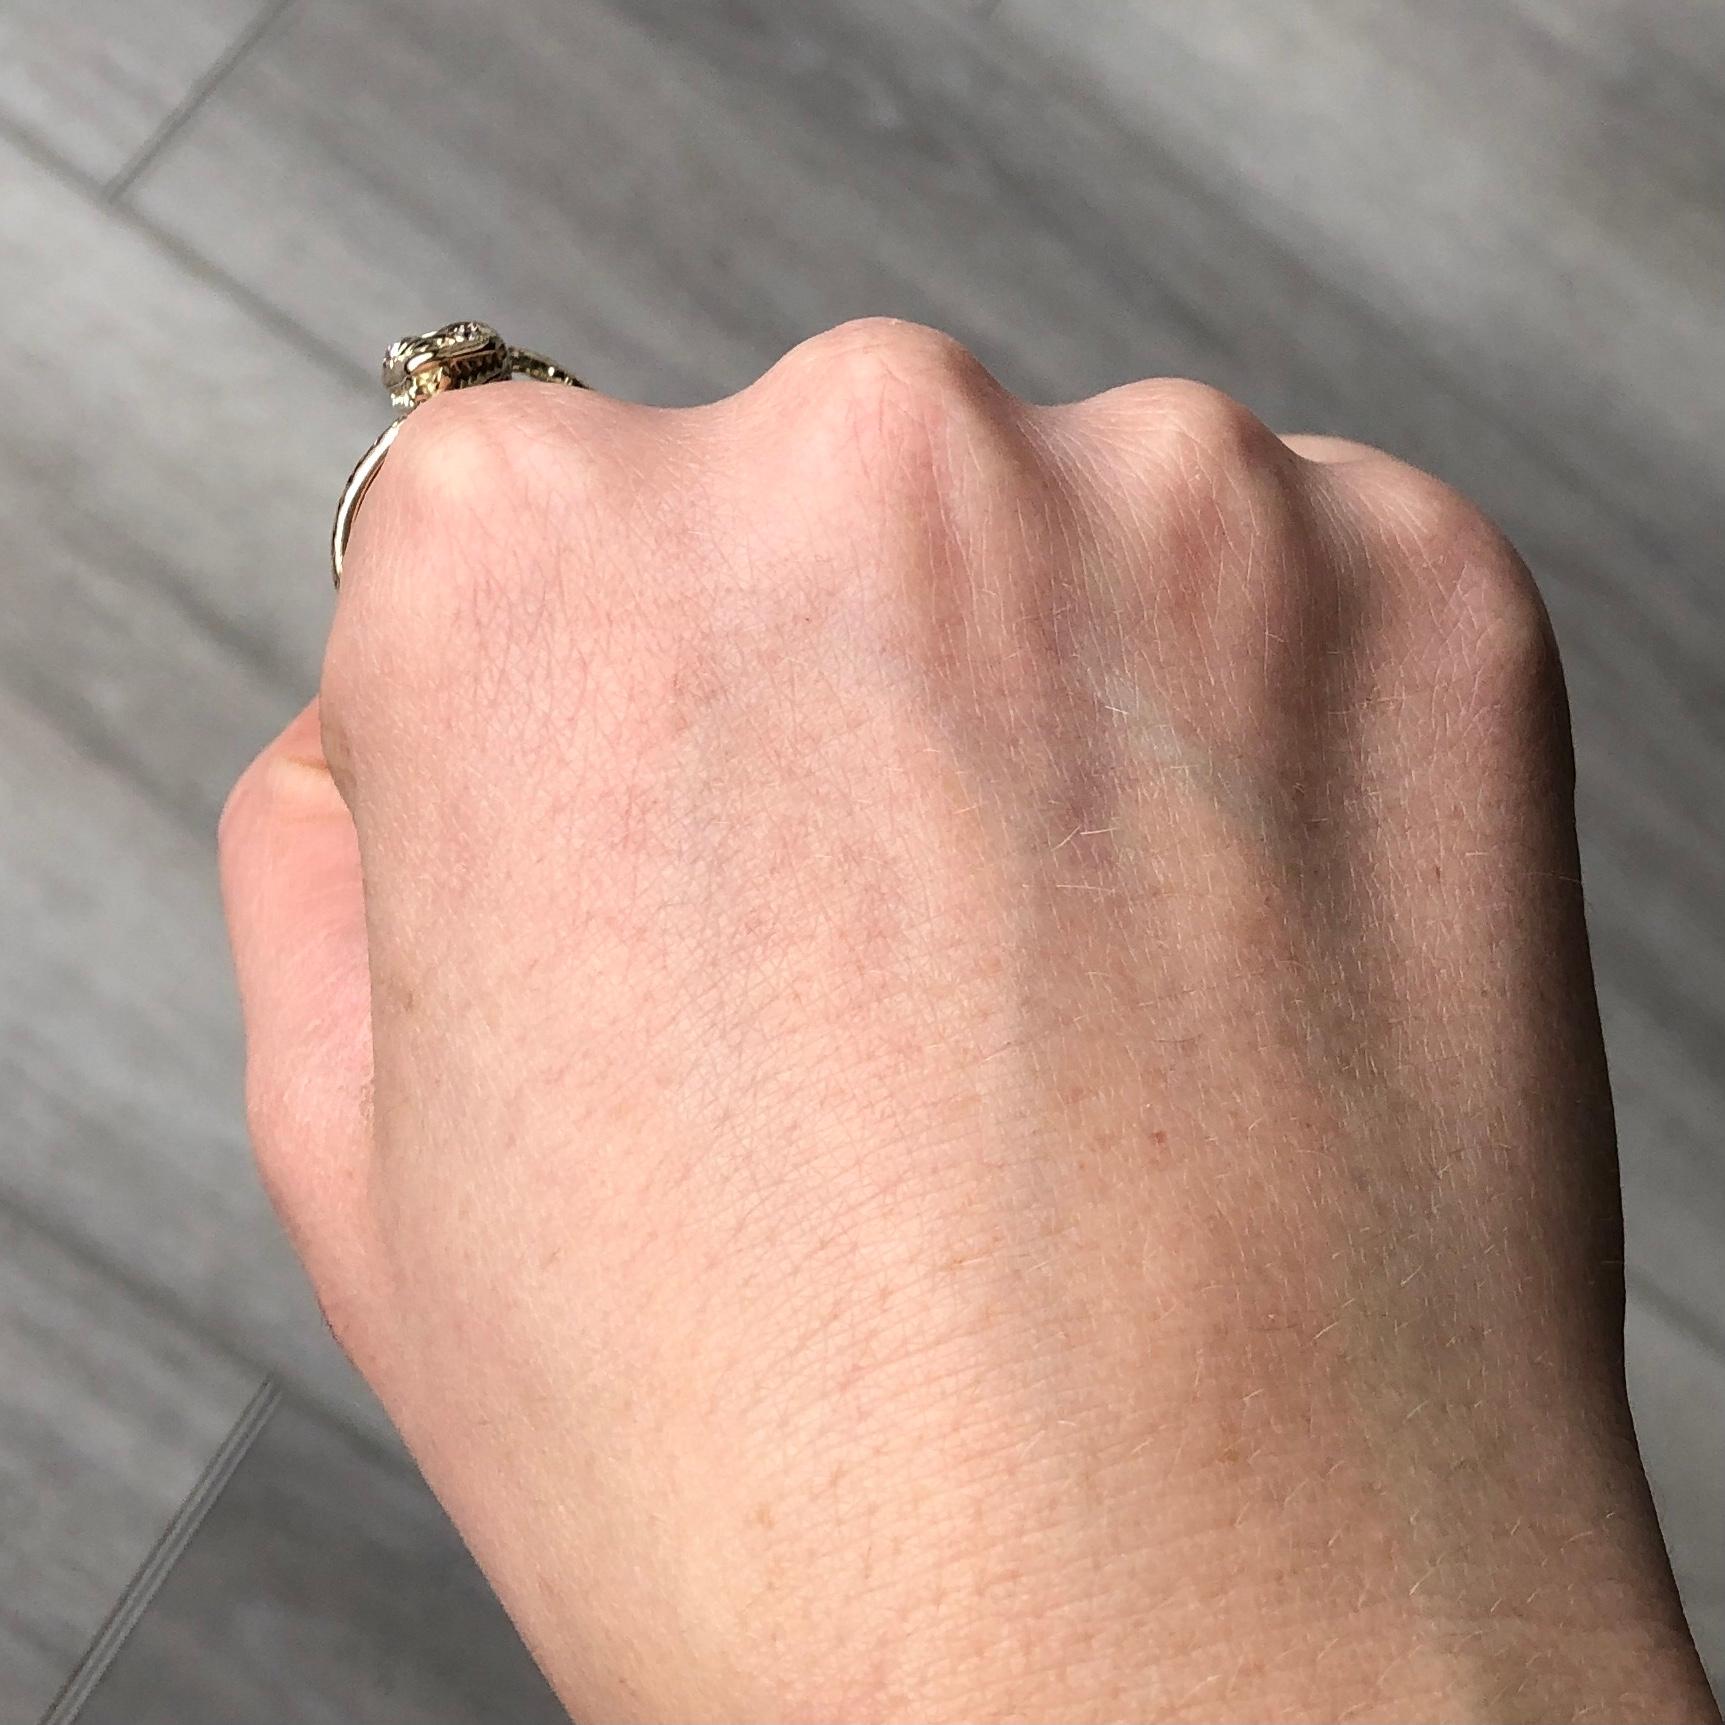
{"points": [[940, 1056]]}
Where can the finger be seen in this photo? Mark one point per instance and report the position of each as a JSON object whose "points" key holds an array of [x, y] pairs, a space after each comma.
{"points": [[1332, 451], [296, 922]]}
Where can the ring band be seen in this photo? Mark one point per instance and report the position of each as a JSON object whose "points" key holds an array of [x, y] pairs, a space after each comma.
{"points": [[458, 356]]}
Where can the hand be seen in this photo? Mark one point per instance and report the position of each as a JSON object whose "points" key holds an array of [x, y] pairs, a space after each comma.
{"points": [[965, 1082]]}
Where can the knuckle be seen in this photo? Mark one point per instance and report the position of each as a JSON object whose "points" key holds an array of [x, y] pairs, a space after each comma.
{"points": [[470, 451], [1435, 522], [875, 353], [1190, 476], [461, 466], [1479, 626], [465, 468], [1484, 599], [1217, 432], [897, 391], [1498, 625], [1202, 434], [901, 444]]}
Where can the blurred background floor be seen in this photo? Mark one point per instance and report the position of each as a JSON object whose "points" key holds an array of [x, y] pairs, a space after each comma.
{"points": [[1489, 235]]}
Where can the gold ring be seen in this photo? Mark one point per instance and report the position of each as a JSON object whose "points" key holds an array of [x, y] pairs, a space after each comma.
{"points": [[458, 356]]}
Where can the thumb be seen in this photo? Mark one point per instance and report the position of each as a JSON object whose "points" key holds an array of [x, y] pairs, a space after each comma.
{"points": [[296, 921]]}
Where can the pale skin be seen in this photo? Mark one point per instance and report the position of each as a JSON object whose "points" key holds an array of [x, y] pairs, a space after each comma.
{"points": [[940, 1056]]}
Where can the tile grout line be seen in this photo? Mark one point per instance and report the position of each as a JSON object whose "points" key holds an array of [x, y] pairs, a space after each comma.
{"points": [[193, 262], [170, 128], [146, 1582]]}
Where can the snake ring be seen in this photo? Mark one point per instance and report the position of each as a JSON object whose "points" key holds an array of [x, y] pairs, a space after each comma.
{"points": [[458, 356]]}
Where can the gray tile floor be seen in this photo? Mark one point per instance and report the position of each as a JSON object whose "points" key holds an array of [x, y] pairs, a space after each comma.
{"points": [[323, 1588], [1489, 235]]}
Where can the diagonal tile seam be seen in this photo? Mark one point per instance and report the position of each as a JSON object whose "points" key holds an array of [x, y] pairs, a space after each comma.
{"points": [[202, 88], [289, 330]]}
